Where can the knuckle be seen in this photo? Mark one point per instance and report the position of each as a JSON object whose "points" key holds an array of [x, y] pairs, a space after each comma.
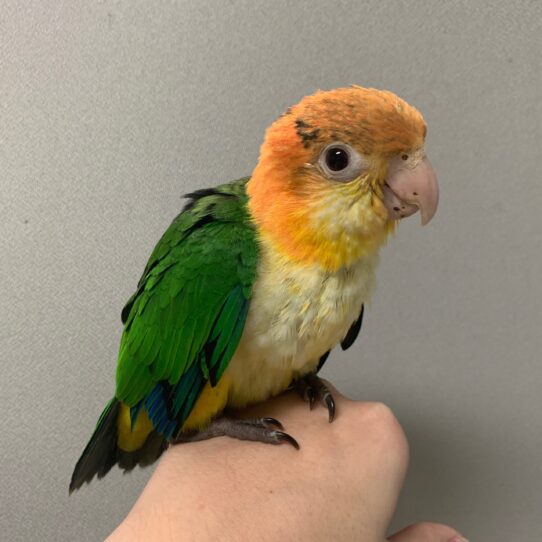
{"points": [[381, 418], [382, 413], [385, 429]]}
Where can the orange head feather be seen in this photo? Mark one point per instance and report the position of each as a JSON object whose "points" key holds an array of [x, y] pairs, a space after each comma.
{"points": [[308, 211]]}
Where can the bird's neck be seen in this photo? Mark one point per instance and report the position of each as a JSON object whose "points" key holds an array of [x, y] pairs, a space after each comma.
{"points": [[331, 229]]}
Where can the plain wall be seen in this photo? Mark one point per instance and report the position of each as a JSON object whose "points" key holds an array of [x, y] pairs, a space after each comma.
{"points": [[111, 110]]}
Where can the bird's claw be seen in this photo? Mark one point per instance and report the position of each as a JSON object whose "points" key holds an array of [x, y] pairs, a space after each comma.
{"points": [[281, 437], [264, 423], [273, 422], [311, 387], [330, 403]]}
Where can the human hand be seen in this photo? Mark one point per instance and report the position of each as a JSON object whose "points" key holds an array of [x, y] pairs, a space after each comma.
{"points": [[342, 485]]}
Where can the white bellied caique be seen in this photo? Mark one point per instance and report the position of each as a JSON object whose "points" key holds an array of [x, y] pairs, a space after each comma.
{"points": [[256, 280]]}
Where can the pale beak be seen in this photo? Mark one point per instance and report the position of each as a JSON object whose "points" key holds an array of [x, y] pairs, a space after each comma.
{"points": [[408, 189]]}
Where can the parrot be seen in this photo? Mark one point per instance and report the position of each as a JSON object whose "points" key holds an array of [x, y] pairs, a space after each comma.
{"points": [[257, 280]]}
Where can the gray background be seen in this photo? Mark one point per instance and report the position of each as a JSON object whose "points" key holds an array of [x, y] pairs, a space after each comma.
{"points": [[109, 111]]}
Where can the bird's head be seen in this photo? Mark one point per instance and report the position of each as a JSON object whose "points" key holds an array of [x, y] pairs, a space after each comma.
{"points": [[337, 171]]}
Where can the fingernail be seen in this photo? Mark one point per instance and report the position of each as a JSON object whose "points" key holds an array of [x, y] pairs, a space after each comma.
{"points": [[458, 538]]}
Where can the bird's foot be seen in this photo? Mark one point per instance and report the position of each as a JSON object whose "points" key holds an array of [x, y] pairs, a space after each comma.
{"points": [[312, 387], [266, 430]]}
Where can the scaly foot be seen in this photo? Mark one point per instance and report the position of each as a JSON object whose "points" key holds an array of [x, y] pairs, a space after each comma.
{"points": [[266, 430]]}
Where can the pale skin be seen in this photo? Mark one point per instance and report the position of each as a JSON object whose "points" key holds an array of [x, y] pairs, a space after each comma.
{"points": [[343, 484]]}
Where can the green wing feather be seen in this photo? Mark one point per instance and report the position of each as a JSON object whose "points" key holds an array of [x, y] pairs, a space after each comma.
{"points": [[185, 320], [181, 327]]}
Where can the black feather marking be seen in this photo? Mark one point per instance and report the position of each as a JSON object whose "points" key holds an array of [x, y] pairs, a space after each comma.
{"points": [[353, 332], [197, 195], [304, 132], [207, 219], [323, 359], [167, 391], [127, 308], [208, 350]]}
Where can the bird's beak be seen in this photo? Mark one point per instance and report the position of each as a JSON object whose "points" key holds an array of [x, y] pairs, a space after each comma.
{"points": [[408, 189]]}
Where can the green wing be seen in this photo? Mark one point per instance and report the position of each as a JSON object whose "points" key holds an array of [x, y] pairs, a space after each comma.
{"points": [[186, 318]]}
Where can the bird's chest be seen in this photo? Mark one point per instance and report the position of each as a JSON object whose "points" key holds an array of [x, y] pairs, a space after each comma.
{"points": [[297, 313]]}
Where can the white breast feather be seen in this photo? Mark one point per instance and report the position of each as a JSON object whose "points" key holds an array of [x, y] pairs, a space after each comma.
{"points": [[297, 313]]}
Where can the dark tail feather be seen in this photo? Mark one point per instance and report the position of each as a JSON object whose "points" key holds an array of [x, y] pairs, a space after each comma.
{"points": [[101, 453], [154, 445]]}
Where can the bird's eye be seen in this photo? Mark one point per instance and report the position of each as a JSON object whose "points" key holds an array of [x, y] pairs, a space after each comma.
{"points": [[340, 162], [337, 159], [404, 157]]}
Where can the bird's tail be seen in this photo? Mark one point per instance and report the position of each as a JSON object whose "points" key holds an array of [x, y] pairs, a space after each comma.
{"points": [[103, 451]]}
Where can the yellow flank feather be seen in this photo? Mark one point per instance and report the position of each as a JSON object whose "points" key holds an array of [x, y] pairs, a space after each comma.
{"points": [[210, 402], [132, 439]]}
